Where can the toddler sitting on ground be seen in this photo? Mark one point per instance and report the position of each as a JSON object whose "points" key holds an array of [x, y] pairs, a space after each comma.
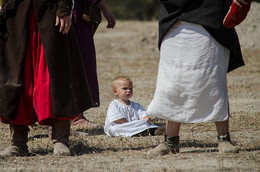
{"points": [[127, 118]]}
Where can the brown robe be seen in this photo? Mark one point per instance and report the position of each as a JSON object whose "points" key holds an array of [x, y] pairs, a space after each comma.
{"points": [[69, 89]]}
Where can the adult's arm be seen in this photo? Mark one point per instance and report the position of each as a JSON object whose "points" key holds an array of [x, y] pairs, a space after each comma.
{"points": [[111, 22]]}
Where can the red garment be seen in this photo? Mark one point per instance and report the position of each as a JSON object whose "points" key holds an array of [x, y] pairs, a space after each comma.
{"points": [[35, 101], [236, 14]]}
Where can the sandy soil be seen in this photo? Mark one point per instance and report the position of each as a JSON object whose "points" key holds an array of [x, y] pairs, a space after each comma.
{"points": [[131, 49]]}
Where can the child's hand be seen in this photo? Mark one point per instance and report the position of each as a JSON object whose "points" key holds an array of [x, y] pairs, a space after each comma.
{"points": [[148, 119]]}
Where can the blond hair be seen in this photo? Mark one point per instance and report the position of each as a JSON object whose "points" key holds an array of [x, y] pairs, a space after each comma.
{"points": [[116, 79]]}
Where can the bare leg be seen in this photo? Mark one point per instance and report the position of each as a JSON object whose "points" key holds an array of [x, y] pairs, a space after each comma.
{"points": [[224, 142], [172, 128], [222, 127]]}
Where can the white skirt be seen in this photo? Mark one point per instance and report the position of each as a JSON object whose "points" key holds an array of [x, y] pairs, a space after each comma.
{"points": [[192, 77]]}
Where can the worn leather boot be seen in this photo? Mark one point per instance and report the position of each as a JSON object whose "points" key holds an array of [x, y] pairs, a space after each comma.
{"points": [[171, 144], [60, 137], [225, 145], [174, 144], [19, 139]]}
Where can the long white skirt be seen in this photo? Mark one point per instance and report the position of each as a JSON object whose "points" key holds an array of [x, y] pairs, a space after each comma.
{"points": [[192, 77]]}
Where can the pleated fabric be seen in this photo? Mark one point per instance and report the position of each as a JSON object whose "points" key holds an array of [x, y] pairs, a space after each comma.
{"points": [[192, 77]]}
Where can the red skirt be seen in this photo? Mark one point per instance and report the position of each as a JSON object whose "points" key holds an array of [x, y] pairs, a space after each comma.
{"points": [[35, 101]]}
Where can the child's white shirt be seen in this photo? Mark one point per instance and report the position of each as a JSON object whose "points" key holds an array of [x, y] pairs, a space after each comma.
{"points": [[134, 114]]}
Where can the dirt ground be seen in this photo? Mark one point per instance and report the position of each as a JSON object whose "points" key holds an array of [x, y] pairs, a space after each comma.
{"points": [[131, 49]]}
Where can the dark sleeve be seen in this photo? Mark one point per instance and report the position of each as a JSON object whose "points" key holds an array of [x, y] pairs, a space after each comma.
{"points": [[65, 7], [6, 5], [90, 1]]}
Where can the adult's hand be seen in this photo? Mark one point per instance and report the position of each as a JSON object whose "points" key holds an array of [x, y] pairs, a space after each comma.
{"points": [[111, 22], [65, 24]]}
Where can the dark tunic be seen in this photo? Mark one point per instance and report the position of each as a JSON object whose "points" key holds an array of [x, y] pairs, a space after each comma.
{"points": [[69, 89], [209, 14], [85, 38]]}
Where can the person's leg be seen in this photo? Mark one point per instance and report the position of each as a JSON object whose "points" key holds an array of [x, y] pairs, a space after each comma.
{"points": [[172, 128], [42, 100], [172, 136], [60, 137], [19, 139], [171, 143], [222, 127], [85, 38], [224, 143], [25, 113]]}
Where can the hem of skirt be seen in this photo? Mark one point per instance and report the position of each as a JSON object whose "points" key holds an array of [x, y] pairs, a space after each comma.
{"points": [[194, 121]]}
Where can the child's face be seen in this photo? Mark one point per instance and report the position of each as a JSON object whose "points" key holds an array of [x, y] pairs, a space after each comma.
{"points": [[124, 90]]}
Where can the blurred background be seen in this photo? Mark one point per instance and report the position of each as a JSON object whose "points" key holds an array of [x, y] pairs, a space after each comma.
{"points": [[134, 10], [131, 9], [143, 10]]}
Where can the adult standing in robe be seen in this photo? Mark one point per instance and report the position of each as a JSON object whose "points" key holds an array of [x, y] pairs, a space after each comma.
{"points": [[196, 52], [42, 77], [85, 35]]}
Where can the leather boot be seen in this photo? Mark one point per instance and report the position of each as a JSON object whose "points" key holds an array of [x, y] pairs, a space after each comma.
{"points": [[60, 137], [174, 144], [225, 145], [171, 144], [19, 139]]}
